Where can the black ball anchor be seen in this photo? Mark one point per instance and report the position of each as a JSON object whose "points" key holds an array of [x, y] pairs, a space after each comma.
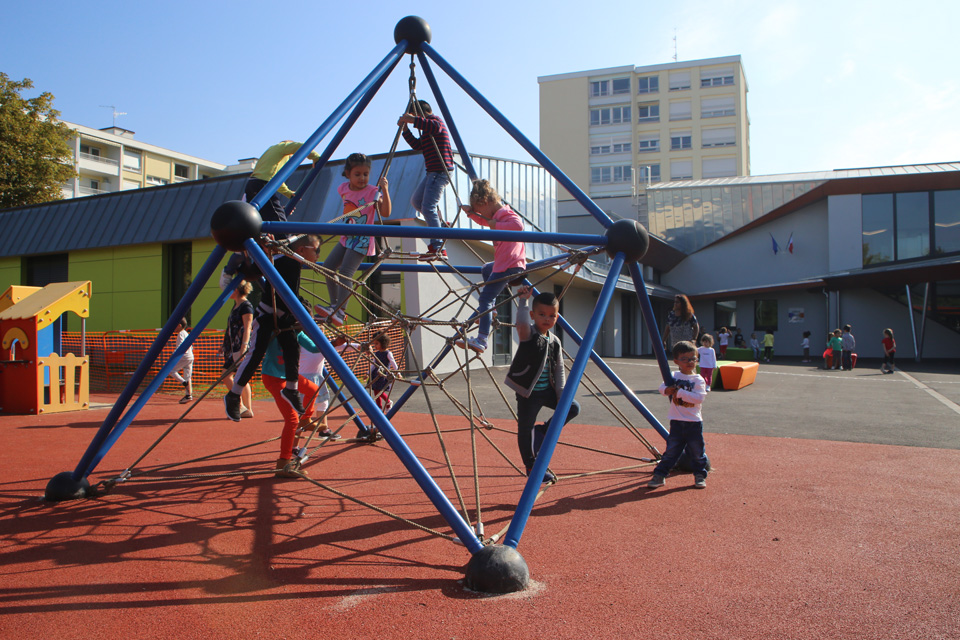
{"points": [[414, 30], [63, 487], [628, 237], [497, 569], [233, 222]]}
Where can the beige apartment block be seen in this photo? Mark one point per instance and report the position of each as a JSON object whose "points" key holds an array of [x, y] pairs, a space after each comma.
{"points": [[615, 131], [110, 159]]}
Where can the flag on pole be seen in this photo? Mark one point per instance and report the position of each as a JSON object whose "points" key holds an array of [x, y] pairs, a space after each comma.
{"points": [[776, 247], [790, 244]]}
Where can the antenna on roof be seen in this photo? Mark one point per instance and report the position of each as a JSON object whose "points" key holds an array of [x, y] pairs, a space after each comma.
{"points": [[674, 44], [123, 113]]}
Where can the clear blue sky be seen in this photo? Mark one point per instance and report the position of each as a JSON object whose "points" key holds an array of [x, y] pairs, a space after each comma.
{"points": [[832, 84]]}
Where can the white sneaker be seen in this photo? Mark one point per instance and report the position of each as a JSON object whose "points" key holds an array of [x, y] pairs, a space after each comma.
{"points": [[474, 344]]}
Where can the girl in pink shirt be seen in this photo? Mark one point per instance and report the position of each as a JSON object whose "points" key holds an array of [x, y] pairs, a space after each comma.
{"points": [[361, 200], [509, 258]]}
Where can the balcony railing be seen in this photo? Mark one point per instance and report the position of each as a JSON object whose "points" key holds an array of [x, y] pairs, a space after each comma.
{"points": [[102, 160]]}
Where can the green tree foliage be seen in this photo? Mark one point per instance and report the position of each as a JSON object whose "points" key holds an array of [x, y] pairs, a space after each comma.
{"points": [[35, 154]]}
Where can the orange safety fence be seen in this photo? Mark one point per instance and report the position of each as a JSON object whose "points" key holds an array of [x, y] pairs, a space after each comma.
{"points": [[115, 355]]}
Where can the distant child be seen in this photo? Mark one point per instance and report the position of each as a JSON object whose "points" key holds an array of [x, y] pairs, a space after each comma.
{"points": [[724, 338], [805, 345], [686, 394], [311, 368], [738, 340], [848, 344], [185, 364], [537, 373], [361, 201], [708, 359], [767, 345], [269, 318], [509, 257], [755, 345], [889, 351], [836, 345], [381, 384]]}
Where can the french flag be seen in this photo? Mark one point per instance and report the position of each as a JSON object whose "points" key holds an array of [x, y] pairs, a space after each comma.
{"points": [[776, 247], [790, 244]]}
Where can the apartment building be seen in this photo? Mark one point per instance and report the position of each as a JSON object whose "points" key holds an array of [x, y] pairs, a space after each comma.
{"points": [[110, 159], [615, 131]]}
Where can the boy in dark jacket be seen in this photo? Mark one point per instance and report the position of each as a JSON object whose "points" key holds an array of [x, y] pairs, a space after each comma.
{"points": [[537, 373]]}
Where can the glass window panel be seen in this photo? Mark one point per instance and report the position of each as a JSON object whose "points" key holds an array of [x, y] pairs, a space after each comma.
{"points": [[946, 221], [913, 225], [877, 215], [765, 315]]}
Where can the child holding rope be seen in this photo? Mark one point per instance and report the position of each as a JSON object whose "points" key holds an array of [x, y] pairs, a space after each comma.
{"points": [[537, 373], [361, 202], [509, 257], [381, 385]]}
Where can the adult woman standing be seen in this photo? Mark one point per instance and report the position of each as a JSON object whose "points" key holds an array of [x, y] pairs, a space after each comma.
{"points": [[236, 339], [681, 323]]}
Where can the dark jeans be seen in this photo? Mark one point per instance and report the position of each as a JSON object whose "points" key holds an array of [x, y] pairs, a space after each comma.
{"points": [[847, 360], [271, 210], [530, 435], [262, 332], [684, 434]]}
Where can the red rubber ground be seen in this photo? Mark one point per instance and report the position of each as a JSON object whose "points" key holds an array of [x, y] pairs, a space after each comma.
{"points": [[791, 539]]}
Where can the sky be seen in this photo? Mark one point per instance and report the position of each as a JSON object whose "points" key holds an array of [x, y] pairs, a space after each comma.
{"points": [[832, 85]]}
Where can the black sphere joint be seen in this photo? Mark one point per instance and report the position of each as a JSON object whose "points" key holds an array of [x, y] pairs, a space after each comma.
{"points": [[233, 222], [415, 31], [63, 487], [497, 569], [628, 237]]}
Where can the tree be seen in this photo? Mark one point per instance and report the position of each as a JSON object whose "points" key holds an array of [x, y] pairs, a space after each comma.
{"points": [[35, 154]]}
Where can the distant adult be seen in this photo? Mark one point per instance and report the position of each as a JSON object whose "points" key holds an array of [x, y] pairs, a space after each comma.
{"points": [[681, 323]]}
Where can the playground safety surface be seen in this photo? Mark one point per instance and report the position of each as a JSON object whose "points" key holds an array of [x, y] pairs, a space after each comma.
{"points": [[831, 513]]}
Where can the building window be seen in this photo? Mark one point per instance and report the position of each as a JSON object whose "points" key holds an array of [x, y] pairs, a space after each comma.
{"points": [[681, 140], [913, 225], [719, 167], [681, 170], [648, 84], [177, 275], [131, 161], [609, 115], [946, 221], [648, 143], [724, 314], [679, 80], [181, 171], [718, 107], [599, 88], [680, 110], [620, 85], [90, 151], [129, 184], [156, 180], [877, 222], [719, 77], [649, 173], [617, 86], [649, 112], [610, 175], [605, 146], [719, 137], [765, 315]]}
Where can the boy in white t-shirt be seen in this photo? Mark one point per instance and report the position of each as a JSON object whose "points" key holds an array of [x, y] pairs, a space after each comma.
{"points": [[185, 364], [686, 424]]}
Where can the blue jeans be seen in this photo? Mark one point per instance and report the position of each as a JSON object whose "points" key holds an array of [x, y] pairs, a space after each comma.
{"points": [[489, 293], [426, 198], [684, 434], [530, 435]]}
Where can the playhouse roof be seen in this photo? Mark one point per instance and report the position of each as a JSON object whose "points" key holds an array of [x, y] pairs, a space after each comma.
{"points": [[48, 303]]}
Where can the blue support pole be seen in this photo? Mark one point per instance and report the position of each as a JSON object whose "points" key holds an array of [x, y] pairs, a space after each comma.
{"points": [[647, 309], [390, 435], [165, 371], [530, 490], [294, 162], [338, 138], [141, 371], [338, 392], [524, 142], [447, 117]]}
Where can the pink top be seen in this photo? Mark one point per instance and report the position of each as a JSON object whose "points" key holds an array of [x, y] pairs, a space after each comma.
{"points": [[506, 254], [356, 199]]}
